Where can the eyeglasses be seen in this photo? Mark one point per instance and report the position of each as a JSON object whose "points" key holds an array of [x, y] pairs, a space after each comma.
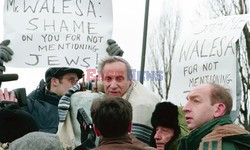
{"points": [[72, 80]]}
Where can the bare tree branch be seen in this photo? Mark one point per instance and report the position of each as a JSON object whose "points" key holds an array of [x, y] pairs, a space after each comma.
{"points": [[165, 37]]}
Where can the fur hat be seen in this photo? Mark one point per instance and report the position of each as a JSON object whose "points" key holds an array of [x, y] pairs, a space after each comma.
{"points": [[15, 122], [166, 115]]}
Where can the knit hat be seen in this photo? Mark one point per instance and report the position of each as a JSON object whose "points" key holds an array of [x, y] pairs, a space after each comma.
{"points": [[37, 141], [60, 71], [15, 122], [166, 115]]}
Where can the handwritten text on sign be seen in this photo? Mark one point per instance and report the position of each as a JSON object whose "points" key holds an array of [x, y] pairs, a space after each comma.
{"points": [[208, 55], [57, 33]]}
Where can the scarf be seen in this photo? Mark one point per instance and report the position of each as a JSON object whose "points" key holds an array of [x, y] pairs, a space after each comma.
{"points": [[192, 141]]}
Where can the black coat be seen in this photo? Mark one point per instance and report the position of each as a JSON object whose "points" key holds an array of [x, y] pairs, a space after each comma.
{"points": [[43, 106]]}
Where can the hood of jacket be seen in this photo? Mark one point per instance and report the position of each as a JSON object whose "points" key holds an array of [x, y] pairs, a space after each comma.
{"points": [[42, 94]]}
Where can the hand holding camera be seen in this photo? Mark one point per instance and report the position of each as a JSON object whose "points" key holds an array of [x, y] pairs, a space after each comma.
{"points": [[15, 96], [7, 96]]}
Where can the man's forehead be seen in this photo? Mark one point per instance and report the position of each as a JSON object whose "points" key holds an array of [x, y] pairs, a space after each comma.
{"points": [[199, 90], [114, 73], [119, 64], [202, 87], [114, 66], [163, 127]]}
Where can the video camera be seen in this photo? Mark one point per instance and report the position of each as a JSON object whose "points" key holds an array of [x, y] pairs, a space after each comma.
{"points": [[87, 132], [20, 93]]}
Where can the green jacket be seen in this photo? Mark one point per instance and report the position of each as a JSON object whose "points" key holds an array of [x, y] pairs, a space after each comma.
{"points": [[183, 128], [218, 134]]}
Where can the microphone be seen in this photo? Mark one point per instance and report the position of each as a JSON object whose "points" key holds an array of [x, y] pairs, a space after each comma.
{"points": [[8, 77]]}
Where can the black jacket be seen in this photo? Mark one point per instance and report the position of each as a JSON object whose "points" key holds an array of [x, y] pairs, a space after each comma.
{"points": [[43, 106]]}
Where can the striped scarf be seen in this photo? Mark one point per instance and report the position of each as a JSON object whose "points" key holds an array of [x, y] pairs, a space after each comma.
{"points": [[64, 102]]}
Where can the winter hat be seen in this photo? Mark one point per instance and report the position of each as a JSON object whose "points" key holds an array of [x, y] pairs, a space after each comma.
{"points": [[37, 141], [15, 122], [166, 115], [60, 71]]}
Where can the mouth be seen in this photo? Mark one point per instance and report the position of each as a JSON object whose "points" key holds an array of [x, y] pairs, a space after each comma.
{"points": [[188, 119], [114, 93], [160, 146]]}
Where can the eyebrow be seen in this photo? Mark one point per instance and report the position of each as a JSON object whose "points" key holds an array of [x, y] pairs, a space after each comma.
{"points": [[192, 97], [119, 76]]}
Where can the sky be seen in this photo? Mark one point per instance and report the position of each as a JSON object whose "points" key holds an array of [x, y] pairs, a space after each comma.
{"points": [[128, 23]]}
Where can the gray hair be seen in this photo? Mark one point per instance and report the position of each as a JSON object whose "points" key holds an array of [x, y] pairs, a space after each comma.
{"points": [[112, 59]]}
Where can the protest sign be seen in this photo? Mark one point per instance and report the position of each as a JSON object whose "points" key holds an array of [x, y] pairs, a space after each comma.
{"points": [[208, 55], [55, 33]]}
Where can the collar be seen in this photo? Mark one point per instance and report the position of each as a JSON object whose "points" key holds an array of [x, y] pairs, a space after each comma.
{"points": [[129, 91], [192, 141], [117, 140]]}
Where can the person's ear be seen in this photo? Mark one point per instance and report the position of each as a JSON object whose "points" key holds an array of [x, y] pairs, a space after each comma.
{"points": [[220, 109], [130, 127], [97, 132], [53, 81]]}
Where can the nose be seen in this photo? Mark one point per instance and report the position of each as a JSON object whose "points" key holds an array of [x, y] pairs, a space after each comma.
{"points": [[113, 84], [186, 108], [157, 135]]}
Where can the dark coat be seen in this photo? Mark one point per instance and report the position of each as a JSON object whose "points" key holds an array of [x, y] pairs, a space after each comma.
{"points": [[43, 106]]}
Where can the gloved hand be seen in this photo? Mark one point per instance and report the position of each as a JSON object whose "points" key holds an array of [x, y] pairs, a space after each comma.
{"points": [[5, 54], [113, 49], [5, 51]]}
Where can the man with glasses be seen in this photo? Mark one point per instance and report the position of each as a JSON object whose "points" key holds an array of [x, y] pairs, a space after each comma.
{"points": [[42, 103]]}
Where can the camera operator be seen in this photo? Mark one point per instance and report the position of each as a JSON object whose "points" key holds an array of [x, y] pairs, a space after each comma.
{"points": [[14, 122], [19, 130]]}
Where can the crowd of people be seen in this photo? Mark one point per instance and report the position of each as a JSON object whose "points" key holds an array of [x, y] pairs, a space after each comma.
{"points": [[126, 116]]}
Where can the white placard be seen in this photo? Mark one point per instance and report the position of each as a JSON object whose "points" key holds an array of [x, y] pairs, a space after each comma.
{"points": [[207, 55], [53, 33]]}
